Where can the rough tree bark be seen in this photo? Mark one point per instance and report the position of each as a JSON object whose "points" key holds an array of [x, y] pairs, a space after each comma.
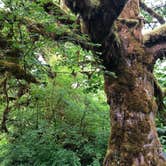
{"points": [[134, 139], [131, 95]]}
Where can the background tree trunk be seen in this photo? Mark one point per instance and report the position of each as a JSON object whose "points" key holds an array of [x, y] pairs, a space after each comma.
{"points": [[133, 140]]}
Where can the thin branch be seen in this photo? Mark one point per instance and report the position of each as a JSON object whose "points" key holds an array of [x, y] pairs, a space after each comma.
{"points": [[152, 13]]}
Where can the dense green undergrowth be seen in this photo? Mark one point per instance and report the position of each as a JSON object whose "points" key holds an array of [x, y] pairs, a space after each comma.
{"points": [[61, 126]]}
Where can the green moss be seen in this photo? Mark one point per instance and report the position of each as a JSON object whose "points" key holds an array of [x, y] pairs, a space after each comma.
{"points": [[132, 148], [138, 102], [156, 32], [152, 105], [127, 78], [140, 69], [138, 47], [117, 39]]}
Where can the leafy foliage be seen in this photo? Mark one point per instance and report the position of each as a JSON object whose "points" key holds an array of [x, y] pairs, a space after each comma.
{"points": [[60, 126]]}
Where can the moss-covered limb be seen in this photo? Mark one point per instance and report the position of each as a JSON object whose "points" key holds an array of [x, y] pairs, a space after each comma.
{"points": [[60, 32], [57, 10], [66, 34], [155, 42], [95, 14], [152, 12], [156, 36], [17, 71]]}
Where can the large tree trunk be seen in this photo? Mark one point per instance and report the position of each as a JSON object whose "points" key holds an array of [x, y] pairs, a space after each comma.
{"points": [[133, 140]]}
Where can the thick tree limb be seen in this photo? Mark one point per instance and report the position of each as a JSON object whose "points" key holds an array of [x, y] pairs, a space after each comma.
{"points": [[155, 41], [85, 7], [152, 13], [156, 36], [16, 71], [63, 18], [68, 35], [97, 17]]}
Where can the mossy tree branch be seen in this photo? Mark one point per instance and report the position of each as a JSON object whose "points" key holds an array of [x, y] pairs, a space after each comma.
{"points": [[156, 36], [56, 10], [67, 35], [155, 41], [17, 71]]}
